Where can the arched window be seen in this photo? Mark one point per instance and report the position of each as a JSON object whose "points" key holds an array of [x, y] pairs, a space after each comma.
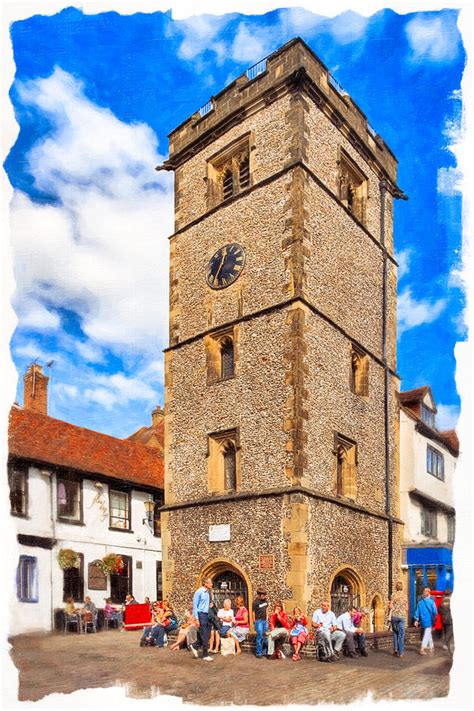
{"points": [[230, 466], [359, 372], [346, 467], [227, 358]]}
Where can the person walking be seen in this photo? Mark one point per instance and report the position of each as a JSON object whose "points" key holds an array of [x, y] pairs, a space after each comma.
{"points": [[425, 617], [446, 619], [398, 606], [260, 620], [201, 601]]}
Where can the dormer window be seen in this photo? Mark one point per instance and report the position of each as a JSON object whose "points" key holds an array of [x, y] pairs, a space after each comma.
{"points": [[427, 416]]}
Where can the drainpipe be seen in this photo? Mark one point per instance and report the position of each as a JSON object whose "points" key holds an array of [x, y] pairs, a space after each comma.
{"points": [[399, 195], [388, 502]]}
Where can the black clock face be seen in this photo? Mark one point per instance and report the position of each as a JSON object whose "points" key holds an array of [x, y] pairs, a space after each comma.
{"points": [[225, 266]]}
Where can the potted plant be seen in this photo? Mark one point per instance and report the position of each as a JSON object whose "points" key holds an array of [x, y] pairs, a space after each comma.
{"points": [[112, 563], [67, 558]]}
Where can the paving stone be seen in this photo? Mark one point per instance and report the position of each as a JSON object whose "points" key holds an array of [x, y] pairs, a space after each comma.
{"points": [[57, 663]]}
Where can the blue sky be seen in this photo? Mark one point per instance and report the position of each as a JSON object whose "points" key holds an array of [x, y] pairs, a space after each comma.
{"points": [[95, 97]]}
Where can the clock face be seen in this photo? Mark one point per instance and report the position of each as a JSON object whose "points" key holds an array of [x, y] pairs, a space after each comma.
{"points": [[225, 266]]}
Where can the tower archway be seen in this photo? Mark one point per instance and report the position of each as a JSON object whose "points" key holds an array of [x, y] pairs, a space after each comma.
{"points": [[347, 589], [228, 581], [377, 614]]}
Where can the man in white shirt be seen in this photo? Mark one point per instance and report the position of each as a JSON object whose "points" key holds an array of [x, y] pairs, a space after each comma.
{"points": [[354, 635], [325, 624]]}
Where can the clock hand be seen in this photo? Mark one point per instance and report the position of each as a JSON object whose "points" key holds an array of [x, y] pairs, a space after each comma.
{"points": [[222, 262]]}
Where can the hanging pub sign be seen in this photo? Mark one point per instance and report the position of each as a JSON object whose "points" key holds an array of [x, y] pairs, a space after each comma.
{"points": [[265, 562]]}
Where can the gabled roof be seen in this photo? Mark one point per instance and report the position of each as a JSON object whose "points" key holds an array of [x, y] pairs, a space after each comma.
{"points": [[417, 395], [42, 439], [152, 436]]}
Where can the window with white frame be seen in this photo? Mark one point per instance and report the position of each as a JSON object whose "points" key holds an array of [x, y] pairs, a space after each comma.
{"points": [[119, 509], [434, 463], [427, 416], [68, 498], [429, 522], [27, 579]]}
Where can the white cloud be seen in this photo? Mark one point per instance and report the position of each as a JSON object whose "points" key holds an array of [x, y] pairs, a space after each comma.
{"points": [[412, 313], [88, 351], [301, 21], [447, 417], [449, 181], [200, 34], [101, 250], [403, 258], [251, 45], [433, 38], [34, 315], [348, 27], [118, 389]]}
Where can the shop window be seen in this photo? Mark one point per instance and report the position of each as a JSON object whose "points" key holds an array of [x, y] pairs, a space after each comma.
{"points": [[431, 578], [429, 522], [345, 452], [353, 186], [27, 579], [119, 509], [229, 172], [73, 581], [220, 355], [68, 498], [359, 371], [434, 463], [18, 484], [224, 461]]}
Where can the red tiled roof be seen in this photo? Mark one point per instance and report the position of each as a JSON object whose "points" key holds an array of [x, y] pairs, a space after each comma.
{"points": [[43, 439], [415, 395], [151, 436], [451, 439]]}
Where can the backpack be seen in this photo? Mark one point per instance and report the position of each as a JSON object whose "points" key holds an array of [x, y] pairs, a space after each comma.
{"points": [[323, 650]]}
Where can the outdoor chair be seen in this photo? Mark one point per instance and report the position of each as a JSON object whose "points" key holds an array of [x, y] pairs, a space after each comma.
{"points": [[89, 619], [111, 620], [72, 620]]}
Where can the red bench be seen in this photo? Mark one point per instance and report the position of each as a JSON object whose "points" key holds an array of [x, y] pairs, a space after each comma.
{"points": [[136, 617]]}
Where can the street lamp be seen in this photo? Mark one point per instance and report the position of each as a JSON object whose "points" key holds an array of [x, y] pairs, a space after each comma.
{"points": [[149, 505]]}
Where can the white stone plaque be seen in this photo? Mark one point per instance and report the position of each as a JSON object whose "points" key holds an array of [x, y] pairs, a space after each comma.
{"points": [[219, 532]]}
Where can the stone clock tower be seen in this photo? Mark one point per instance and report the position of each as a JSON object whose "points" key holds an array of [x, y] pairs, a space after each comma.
{"points": [[281, 415]]}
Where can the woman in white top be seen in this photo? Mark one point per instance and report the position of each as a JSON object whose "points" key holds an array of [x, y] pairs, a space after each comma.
{"points": [[226, 616]]}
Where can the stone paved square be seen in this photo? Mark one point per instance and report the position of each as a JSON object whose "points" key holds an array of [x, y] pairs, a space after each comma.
{"points": [[51, 663]]}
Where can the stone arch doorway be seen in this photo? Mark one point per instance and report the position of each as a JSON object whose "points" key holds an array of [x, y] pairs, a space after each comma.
{"points": [[346, 590], [227, 582], [377, 614]]}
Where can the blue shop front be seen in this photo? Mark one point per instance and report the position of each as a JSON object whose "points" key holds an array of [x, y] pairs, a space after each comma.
{"points": [[430, 567]]}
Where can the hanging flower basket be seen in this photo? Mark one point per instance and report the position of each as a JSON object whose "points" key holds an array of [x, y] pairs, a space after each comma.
{"points": [[112, 563], [67, 558]]}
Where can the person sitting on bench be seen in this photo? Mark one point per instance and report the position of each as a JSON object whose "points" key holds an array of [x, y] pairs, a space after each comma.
{"points": [[355, 637], [325, 624]]}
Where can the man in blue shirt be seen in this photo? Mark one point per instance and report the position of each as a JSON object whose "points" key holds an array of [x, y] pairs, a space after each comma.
{"points": [[201, 600]]}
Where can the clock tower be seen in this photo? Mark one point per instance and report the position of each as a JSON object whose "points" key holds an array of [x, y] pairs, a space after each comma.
{"points": [[281, 414]]}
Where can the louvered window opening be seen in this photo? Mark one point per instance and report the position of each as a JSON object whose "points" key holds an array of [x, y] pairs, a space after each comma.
{"points": [[228, 185], [244, 174]]}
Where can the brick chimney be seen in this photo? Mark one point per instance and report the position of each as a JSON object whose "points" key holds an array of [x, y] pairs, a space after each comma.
{"points": [[156, 416], [35, 389]]}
